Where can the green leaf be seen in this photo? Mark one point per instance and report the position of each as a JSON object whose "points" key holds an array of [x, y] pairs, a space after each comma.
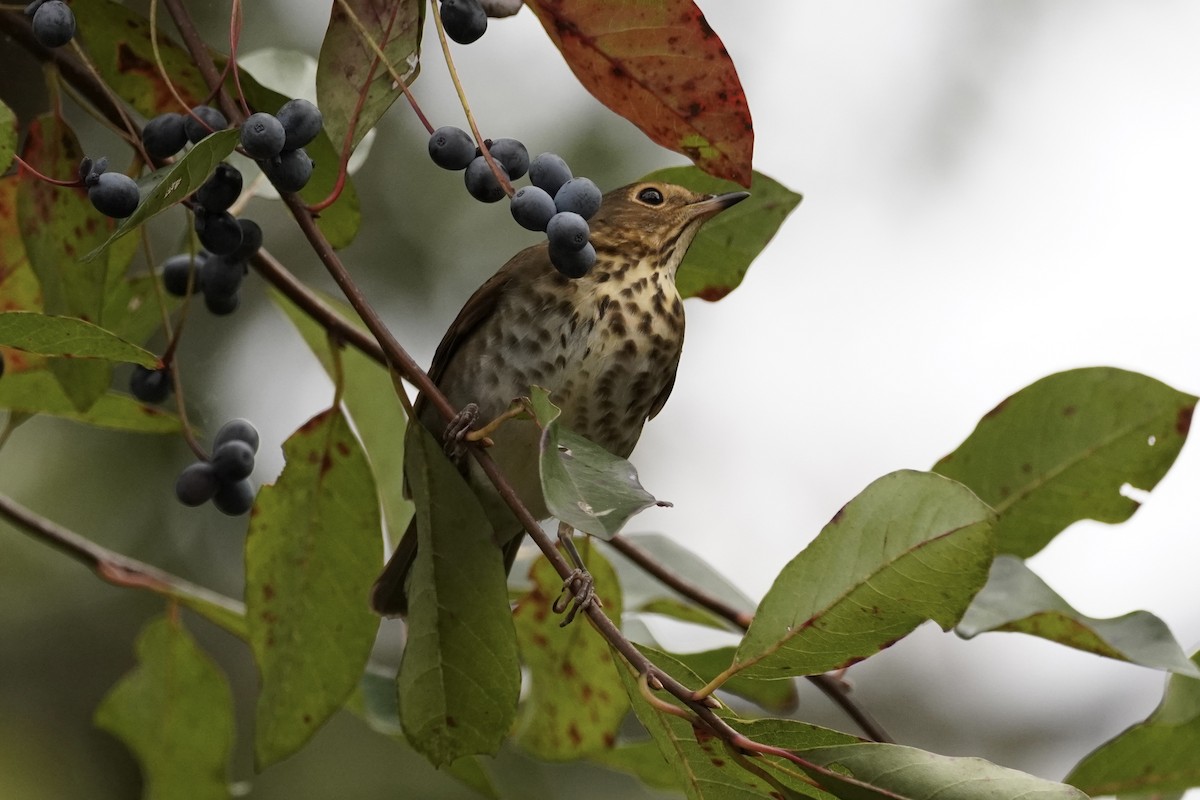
{"points": [[703, 766], [1015, 599], [1157, 755], [19, 290], [370, 400], [913, 546], [643, 760], [585, 486], [341, 220], [1060, 450], [347, 63], [36, 391], [460, 677], [8, 136], [58, 223], [131, 309], [727, 244], [169, 185], [175, 712], [67, 336], [118, 43], [574, 704], [892, 771], [311, 553]]}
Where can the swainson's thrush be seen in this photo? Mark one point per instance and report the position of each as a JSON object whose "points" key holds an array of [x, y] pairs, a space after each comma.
{"points": [[606, 346]]}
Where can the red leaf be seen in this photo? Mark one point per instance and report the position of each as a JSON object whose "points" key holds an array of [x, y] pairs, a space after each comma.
{"points": [[662, 67]]}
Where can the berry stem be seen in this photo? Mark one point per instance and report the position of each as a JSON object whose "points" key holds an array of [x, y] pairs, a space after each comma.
{"points": [[466, 106], [27, 167], [235, 35]]}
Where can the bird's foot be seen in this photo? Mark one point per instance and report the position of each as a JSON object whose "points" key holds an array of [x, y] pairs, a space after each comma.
{"points": [[458, 433], [578, 592]]}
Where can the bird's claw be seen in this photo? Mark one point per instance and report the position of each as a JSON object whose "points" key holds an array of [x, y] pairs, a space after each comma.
{"points": [[578, 592], [455, 438]]}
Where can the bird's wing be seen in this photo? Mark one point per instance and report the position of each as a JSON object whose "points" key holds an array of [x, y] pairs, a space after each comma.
{"points": [[660, 399]]}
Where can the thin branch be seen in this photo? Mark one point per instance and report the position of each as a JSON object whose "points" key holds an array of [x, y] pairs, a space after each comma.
{"points": [[110, 566]]}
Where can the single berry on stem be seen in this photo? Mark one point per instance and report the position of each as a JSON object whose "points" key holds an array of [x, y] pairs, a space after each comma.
{"points": [[532, 208], [481, 181], [301, 122], [53, 23], [567, 231], [196, 484], [177, 269], [262, 136], [213, 120], [113, 194], [233, 461], [573, 263], [237, 430], [464, 20], [579, 195], [234, 498], [512, 155], [451, 148], [252, 239], [221, 190], [549, 172], [218, 231], [165, 135], [289, 171], [150, 385]]}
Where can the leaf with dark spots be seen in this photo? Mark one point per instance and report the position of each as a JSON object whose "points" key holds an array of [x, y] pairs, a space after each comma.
{"points": [[575, 702], [315, 535], [347, 63], [727, 244], [661, 66], [913, 546], [1042, 468]]}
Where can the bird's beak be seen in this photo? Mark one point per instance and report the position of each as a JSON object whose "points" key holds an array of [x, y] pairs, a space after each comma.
{"points": [[716, 203]]}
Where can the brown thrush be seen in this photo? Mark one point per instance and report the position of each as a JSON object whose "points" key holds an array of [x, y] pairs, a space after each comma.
{"points": [[606, 346]]}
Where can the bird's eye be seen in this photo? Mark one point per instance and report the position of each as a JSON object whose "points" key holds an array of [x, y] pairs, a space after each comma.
{"points": [[650, 196]]}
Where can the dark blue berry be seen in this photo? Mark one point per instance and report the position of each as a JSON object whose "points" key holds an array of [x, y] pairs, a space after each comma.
{"points": [[567, 231], [301, 122], [221, 305], [579, 195], [451, 148], [213, 120], [464, 20], [233, 460], [262, 136], [196, 484], [573, 263], [252, 239], [532, 208], [234, 498], [221, 190], [53, 24], [549, 172], [114, 195], [512, 155], [222, 276], [150, 385], [240, 430], [176, 271], [218, 231], [165, 135], [481, 181], [289, 171]]}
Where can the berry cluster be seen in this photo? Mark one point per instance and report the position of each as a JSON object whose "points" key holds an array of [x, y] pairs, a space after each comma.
{"points": [[224, 478], [112, 193], [463, 20], [218, 277], [53, 22], [556, 203]]}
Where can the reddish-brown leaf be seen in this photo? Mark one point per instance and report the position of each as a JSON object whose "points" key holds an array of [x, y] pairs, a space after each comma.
{"points": [[661, 66]]}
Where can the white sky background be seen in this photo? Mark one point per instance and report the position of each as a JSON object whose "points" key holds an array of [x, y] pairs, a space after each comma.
{"points": [[993, 192]]}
